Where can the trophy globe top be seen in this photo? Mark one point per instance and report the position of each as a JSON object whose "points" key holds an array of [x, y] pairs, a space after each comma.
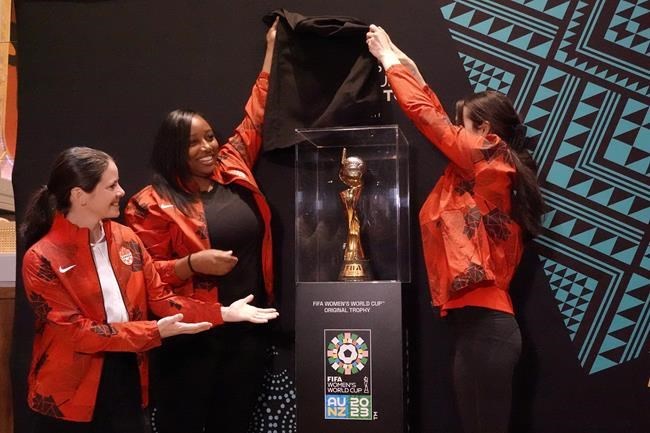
{"points": [[352, 170]]}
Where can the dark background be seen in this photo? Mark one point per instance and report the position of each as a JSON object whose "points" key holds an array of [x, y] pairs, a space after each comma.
{"points": [[103, 74]]}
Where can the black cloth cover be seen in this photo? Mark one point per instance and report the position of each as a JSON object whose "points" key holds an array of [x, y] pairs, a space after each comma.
{"points": [[322, 76]]}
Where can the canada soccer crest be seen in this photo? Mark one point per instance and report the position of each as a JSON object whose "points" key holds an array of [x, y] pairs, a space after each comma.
{"points": [[126, 256]]}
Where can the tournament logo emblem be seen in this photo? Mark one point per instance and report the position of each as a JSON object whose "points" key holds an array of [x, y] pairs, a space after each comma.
{"points": [[347, 353], [126, 256]]}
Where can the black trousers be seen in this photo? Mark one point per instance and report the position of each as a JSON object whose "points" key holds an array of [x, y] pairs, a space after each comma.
{"points": [[487, 346], [208, 382], [118, 405]]}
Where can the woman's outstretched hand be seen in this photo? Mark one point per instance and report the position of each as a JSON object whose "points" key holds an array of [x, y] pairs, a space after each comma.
{"points": [[271, 33], [270, 45], [242, 311], [387, 53], [379, 45], [172, 325]]}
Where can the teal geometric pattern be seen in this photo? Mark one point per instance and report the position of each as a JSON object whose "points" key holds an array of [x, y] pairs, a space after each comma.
{"points": [[556, 9], [625, 327], [498, 22], [573, 292], [645, 261], [630, 145], [585, 47], [578, 73], [484, 76], [629, 26], [574, 168]]}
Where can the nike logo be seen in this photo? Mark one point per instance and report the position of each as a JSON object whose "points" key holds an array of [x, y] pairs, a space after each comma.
{"points": [[166, 205], [66, 269]]}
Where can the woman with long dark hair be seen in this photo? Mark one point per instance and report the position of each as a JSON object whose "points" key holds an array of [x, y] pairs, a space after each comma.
{"points": [[93, 287], [206, 223], [474, 224]]}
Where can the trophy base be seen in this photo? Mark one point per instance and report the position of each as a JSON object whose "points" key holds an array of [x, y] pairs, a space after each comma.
{"points": [[355, 270]]}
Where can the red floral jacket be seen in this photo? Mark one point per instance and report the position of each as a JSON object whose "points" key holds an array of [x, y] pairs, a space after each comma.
{"points": [[71, 333], [169, 234], [469, 240]]}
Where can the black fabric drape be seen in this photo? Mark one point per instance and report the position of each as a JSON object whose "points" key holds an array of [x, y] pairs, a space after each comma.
{"points": [[322, 76]]}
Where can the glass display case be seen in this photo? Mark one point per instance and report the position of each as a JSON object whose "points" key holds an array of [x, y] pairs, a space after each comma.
{"points": [[352, 205]]}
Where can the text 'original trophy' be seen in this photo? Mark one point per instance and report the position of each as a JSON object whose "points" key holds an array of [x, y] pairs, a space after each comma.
{"points": [[355, 265]]}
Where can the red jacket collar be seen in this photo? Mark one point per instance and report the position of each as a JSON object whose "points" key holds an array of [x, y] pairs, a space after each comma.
{"points": [[64, 231]]}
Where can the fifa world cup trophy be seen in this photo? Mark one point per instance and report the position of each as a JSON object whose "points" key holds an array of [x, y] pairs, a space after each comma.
{"points": [[355, 265]]}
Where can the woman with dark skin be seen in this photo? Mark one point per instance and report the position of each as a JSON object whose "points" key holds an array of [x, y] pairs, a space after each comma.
{"points": [[207, 225], [93, 288], [474, 224]]}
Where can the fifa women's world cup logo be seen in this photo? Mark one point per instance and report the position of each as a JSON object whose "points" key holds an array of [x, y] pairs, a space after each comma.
{"points": [[355, 265], [348, 374]]}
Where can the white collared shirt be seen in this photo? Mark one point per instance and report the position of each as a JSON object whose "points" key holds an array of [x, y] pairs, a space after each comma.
{"points": [[113, 302]]}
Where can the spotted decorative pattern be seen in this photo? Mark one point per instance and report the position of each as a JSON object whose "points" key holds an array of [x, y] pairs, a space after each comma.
{"points": [[276, 404]]}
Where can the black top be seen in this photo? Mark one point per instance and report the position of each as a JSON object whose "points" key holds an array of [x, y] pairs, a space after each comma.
{"points": [[234, 223]]}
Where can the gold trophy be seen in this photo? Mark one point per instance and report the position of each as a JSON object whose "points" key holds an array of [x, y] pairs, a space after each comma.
{"points": [[355, 265]]}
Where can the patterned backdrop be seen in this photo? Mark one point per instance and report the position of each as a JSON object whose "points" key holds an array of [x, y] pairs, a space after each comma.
{"points": [[578, 72]]}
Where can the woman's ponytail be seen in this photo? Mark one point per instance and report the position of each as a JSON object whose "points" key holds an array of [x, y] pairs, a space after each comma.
{"points": [[39, 216], [527, 200]]}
